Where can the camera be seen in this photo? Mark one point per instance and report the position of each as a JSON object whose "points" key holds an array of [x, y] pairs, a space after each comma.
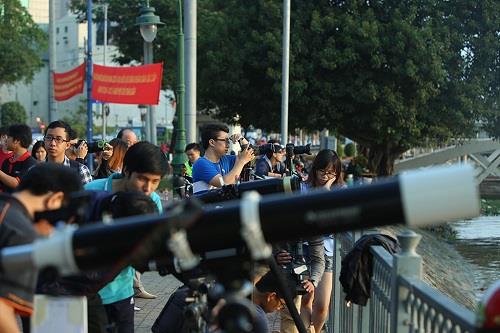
{"points": [[258, 150], [263, 149], [97, 146], [94, 146], [298, 268], [298, 150]]}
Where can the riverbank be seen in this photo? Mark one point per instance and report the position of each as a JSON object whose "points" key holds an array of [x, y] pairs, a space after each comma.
{"points": [[443, 267]]}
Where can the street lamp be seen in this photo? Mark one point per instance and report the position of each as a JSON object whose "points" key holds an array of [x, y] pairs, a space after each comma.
{"points": [[180, 130], [148, 24]]}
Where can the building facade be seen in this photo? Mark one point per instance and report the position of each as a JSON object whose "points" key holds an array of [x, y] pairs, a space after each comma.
{"points": [[71, 43]]}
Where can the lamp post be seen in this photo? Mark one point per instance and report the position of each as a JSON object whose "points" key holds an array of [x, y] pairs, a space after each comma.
{"points": [[148, 24], [180, 130], [104, 107]]}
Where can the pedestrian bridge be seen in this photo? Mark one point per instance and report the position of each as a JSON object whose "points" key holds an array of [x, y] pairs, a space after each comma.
{"points": [[484, 154]]}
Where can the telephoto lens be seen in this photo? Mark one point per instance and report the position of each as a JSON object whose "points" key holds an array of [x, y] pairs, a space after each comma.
{"points": [[263, 187]]}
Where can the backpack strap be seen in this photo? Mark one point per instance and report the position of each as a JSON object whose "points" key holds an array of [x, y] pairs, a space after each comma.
{"points": [[6, 198]]}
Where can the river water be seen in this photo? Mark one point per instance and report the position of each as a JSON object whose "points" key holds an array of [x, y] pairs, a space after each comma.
{"points": [[478, 241]]}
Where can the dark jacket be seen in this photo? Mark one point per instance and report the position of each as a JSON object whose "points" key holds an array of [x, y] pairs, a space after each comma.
{"points": [[357, 266]]}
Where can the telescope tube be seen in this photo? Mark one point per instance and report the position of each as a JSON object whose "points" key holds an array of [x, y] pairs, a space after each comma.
{"points": [[264, 187], [415, 199]]}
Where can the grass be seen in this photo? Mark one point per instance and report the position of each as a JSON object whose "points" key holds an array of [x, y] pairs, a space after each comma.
{"points": [[490, 207]]}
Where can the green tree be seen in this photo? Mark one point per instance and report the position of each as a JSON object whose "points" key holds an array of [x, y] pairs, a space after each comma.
{"points": [[13, 113], [390, 75], [21, 44]]}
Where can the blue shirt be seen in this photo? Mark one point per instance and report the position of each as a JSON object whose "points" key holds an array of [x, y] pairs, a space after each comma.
{"points": [[204, 171], [122, 286]]}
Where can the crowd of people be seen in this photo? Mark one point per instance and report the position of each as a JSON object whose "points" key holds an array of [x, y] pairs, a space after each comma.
{"points": [[126, 178], [216, 168]]}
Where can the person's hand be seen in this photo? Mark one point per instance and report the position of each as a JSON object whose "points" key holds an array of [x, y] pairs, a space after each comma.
{"points": [[283, 258], [107, 152], [308, 286], [328, 185], [82, 150], [235, 137], [246, 155]]}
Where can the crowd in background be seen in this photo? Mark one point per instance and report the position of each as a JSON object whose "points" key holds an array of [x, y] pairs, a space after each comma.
{"points": [[125, 165]]}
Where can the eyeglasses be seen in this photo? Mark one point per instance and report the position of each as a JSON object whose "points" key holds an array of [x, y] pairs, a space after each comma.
{"points": [[329, 174], [223, 140], [282, 304], [57, 139]]}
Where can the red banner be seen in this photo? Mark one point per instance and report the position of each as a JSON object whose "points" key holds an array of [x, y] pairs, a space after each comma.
{"points": [[69, 84], [127, 85]]}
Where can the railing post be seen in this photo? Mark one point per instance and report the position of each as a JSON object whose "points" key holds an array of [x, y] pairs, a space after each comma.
{"points": [[409, 264], [336, 302]]}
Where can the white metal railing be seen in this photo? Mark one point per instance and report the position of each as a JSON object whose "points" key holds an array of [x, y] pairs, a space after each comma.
{"points": [[399, 301]]}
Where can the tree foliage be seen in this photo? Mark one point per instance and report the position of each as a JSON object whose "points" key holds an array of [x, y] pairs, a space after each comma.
{"points": [[21, 43], [388, 74], [13, 113]]}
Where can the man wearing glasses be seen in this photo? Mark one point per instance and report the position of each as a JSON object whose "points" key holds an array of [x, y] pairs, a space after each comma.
{"points": [[56, 142], [216, 169]]}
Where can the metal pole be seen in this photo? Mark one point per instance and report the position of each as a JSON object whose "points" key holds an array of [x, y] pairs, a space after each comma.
{"points": [[180, 131], [89, 81], [190, 8], [52, 60], [148, 108], [152, 108], [285, 66], [103, 105]]}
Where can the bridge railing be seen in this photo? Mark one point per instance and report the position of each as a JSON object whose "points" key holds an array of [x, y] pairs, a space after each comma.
{"points": [[399, 301]]}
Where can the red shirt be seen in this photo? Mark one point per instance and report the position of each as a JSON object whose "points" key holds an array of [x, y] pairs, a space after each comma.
{"points": [[4, 156], [17, 168]]}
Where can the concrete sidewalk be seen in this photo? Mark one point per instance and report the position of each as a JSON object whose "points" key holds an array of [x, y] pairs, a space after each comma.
{"points": [[161, 286]]}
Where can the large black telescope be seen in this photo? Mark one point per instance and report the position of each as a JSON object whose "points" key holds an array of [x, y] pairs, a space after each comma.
{"points": [[264, 187], [418, 198]]}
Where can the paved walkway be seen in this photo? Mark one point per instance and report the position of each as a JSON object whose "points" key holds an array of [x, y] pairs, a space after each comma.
{"points": [[163, 286]]}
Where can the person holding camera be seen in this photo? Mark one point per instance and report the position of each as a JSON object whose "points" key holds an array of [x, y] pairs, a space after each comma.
{"points": [[216, 168], [78, 149], [270, 164], [113, 164], [57, 141]]}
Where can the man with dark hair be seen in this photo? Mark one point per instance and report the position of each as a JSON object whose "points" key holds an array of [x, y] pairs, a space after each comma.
{"points": [[57, 141], [269, 165], [15, 167], [4, 152], [144, 165], [128, 136], [267, 298], [193, 153], [216, 169], [45, 187]]}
